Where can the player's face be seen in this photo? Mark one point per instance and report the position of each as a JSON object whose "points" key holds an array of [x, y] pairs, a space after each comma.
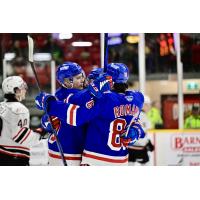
{"points": [[78, 81], [21, 94]]}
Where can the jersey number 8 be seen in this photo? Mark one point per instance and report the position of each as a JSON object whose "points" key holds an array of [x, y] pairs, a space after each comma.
{"points": [[117, 127]]}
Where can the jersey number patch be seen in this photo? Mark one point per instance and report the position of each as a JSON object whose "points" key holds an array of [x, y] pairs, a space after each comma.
{"points": [[22, 123], [117, 128]]}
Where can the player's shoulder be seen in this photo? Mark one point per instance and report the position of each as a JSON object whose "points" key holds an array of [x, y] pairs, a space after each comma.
{"points": [[134, 93], [60, 92], [110, 97], [135, 96], [17, 108]]}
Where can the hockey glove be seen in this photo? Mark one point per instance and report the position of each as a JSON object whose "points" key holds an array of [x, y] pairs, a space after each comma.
{"points": [[55, 123], [43, 133], [42, 99], [135, 133], [137, 126], [100, 85], [130, 138]]}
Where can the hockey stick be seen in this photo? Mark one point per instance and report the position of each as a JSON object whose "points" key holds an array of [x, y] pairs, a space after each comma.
{"points": [[105, 51], [30, 58]]}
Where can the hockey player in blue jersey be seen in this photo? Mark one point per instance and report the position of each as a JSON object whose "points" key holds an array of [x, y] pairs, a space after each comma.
{"points": [[70, 77], [118, 108], [108, 119]]}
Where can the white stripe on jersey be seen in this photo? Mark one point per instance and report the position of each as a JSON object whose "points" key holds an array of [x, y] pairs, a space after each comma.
{"points": [[57, 154], [93, 158], [71, 114], [67, 99]]}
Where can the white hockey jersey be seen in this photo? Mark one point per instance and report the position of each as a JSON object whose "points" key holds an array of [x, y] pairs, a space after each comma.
{"points": [[16, 138]]}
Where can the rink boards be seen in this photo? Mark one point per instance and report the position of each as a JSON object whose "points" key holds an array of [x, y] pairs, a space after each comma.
{"points": [[175, 147]]}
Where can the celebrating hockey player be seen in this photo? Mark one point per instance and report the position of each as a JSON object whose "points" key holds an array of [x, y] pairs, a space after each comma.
{"points": [[108, 119], [16, 137], [108, 146], [70, 76]]}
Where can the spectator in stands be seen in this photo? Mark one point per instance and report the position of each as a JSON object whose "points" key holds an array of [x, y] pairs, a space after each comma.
{"points": [[154, 115], [193, 121], [20, 44], [19, 67]]}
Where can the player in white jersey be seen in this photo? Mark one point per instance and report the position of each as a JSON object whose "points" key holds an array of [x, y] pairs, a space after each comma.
{"points": [[16, 137]]}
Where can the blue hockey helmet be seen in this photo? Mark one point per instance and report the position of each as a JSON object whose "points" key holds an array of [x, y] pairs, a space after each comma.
{"points": [[95, 73], [68, 70], [118, 71]]}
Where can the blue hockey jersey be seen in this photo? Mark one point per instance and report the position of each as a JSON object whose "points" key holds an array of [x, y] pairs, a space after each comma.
{"points": [[72, 138], [108, 118]]}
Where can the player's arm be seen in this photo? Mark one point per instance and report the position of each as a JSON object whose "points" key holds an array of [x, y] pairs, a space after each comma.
{"points": [[25, 135], [70, 113]]}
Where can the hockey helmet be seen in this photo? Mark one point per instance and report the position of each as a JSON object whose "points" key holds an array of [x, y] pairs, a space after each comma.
{"points": [[11, 83], [95, 73], [68, 70], [118, 71]]}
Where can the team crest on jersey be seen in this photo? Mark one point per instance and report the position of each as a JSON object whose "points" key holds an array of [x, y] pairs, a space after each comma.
{"points": [[89, 104], [129, 98]]}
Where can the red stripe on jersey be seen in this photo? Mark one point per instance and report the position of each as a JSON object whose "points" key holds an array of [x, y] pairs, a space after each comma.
{"points": [[18, 133], [66, 157], [25, 137], [71, 114], [16, 147], [14, 154], [105, 159]]}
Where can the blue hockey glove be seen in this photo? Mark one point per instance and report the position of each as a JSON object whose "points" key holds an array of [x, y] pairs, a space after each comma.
{"points": [[137, 126], [130, 138], [100, 85], [135, 132], [47, 125], [42, 99]]}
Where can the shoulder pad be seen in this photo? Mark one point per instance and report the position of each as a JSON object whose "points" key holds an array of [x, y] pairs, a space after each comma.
{"points": [[17, 108]]}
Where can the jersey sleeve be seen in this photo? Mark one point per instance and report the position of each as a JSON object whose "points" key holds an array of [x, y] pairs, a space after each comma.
{"points": [[26, 136], [80, 98], [72, 114]]}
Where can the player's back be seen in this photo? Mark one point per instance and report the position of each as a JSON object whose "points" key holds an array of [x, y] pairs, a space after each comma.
{"points": [[14, 116], [103, 145]]}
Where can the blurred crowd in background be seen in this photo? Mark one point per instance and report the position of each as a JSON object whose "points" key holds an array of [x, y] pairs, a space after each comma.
{"points": [[160, 50]]}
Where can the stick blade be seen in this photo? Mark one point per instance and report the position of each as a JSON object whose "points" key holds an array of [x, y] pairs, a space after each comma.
{"points": [[30, 48]]}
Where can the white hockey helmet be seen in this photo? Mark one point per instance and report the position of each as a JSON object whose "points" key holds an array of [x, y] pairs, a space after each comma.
{"points": [[11, 83]]}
